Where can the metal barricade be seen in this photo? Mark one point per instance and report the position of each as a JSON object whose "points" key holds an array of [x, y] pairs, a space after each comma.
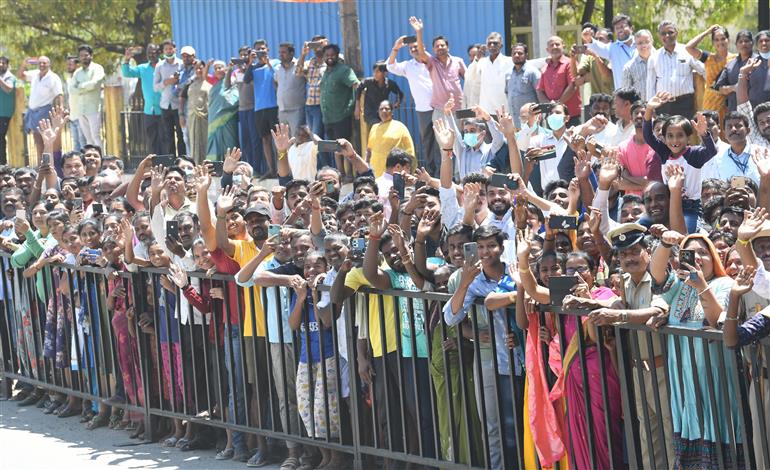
{"points": [[216, 354]]}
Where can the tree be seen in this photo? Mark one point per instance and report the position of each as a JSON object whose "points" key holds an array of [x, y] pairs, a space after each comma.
{"points": [[56, 28]]}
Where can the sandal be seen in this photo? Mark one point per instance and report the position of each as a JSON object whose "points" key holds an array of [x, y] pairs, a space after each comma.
{"points": [[97, 422], [53, 406], [87, 415], [171, 441], [182, 442], [195, 443], [291, 463], [60, 408], [115, 420], [225, 454], [138, 432], [68, 412], [124, 426]]}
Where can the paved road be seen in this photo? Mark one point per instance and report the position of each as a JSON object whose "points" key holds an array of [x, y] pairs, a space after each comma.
{"points": [[31, 440]]}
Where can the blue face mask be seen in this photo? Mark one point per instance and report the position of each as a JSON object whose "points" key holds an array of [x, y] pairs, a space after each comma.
{"points": [[555, 121], [765, 55], [471, 139]]}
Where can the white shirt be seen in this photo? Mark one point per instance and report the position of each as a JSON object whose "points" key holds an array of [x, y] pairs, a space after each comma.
{"points": [[420, 84], [723, 167], [43, 90], [493, 84], [672, 71], [549, 169], [302, 160], [472, 87]]}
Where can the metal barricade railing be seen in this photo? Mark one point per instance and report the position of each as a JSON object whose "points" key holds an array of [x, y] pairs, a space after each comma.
{"points": [[441, 396]]}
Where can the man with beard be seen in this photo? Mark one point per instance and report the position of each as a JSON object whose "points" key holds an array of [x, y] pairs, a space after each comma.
{"points": [[25, 180], [46, 91], [632, 248], [279, 272], [600, 127], [618, 52], [338, 86], [7, 103], [521, 83], [73, 165], [640, 164], [86, 85], [736, 160], [151, 111]]}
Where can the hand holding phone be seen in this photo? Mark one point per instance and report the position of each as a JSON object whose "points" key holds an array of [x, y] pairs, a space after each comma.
{"points": [[471, 252], [329, 146], [172, 229], [399, 185]]}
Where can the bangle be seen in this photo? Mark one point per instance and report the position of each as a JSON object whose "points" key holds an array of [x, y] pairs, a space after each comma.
{"points": [[524, 271], [744, 242], [221, 217], [665, 245], [448, 150], [731, 318], [281, 155], [704, 291], [374, 237]]}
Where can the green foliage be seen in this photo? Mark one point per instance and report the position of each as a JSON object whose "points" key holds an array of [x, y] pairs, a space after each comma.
{"points": [[56, 27], [691, 16]]}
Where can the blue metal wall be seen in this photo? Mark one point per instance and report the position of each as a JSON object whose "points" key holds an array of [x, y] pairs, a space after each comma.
{"points": [[217, 28]]}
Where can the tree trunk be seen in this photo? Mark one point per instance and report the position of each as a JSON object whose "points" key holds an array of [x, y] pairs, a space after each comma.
{"points": [[350, 34], [588, 11]]}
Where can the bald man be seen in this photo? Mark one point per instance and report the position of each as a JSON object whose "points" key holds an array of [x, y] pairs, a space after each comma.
{"points": [[557, 83]]}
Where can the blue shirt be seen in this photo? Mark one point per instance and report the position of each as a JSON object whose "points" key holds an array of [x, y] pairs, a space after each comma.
{"points": [[310, 329], [728, 164], [277, 297], [264, 85], [480, 287], [618, 53], [145, 73], [521, 88]]}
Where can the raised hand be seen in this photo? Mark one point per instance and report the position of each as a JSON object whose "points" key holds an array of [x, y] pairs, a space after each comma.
{"points": [[659, 99], [427, 222], [416, 23], [505, 121], [226, 201], [700, 124], [232, 157], [445, 136], [594, 219], [750, 66], [752, 224], [201, 179], [450, 104], [761, 158], [48, 132], [128, 230], [281, 137], [471, 196], [399, 43], [744, 281], [609, 170], [523, 246], [156, 176], [177, 275], [58, 117], [582, 164], [423, 175], [671, 237], [377, 225], [675, 178]]}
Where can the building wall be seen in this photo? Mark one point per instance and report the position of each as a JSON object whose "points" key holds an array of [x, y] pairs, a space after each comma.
{"points": [[217, 28]]}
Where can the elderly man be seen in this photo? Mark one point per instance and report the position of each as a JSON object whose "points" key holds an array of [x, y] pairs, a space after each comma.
{"points": [[86, 85], [45, 93], [557, 83], [494, 70], [635, 70]]}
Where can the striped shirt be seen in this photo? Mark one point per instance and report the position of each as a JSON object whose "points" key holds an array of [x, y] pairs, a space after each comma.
{"points": [[672, 71], [314, 71], [754, 137], [635, 76]]}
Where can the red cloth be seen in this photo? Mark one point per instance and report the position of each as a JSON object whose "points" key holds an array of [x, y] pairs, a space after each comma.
{"points": [[640, 160], [555, 78]]}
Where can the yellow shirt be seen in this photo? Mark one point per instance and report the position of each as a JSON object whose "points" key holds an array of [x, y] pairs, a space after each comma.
{"points": [[245, 251], [355, 280], [384, 137]]}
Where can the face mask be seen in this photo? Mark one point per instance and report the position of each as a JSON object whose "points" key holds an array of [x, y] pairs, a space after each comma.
{"points": [[765, 55], [237, 180], [471, 139], [188, 172], [525, 127], [168, 56], [555, 121]]}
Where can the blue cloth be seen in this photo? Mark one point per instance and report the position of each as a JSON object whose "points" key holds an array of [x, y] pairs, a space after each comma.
{"points": [[480, 287], [277, 306], [233, 363], [753, 329], [250, 141], [33, 117], [264, 85], [145, 72], [310, 329], [166, 310], [618, 53]]}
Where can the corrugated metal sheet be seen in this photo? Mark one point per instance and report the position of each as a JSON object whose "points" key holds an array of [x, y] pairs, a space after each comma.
{"points": [[218, 28]]}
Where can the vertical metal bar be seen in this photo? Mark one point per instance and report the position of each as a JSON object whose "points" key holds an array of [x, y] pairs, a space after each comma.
{"points": [[384, 352], [415, 358], [605, 393], [269, 361], [698, 390], [448, 385], [725, 400], [563, 346], [656, 396], [645, 418], [355, 392], [400, 370], [480, 378], [586, 390], [254, 333], [629, 410], [519, 440]]}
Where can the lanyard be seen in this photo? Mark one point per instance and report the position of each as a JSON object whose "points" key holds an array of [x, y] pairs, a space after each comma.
{"points": [[742, 165]]}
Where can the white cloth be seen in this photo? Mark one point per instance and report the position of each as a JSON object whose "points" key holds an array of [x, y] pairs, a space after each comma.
{"points": [[493, 84], [420, 84], [342, 344], [723, 167], [672, 71], [43, 90], [91, 126], [302, 160], [761, 281], [472, 87]]}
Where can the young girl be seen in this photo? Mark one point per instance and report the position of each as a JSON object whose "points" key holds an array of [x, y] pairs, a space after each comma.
{"points": [[317, 367], [674, 150]]}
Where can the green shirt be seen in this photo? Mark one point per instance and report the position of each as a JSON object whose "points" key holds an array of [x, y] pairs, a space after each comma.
{"points": [[8, 99], [337, 93], [402, 281]]}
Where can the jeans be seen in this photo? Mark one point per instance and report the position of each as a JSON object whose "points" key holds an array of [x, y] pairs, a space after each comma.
{"points": [[692, 211], [78, 139], [249, 139], [313, 119], [233, 364], [4, 121]]}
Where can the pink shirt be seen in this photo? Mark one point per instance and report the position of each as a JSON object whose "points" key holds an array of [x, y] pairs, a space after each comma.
{"points": [[446, 81], [555, 78], [640, 160]]}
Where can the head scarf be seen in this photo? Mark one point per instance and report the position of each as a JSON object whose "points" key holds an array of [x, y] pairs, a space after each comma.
{"points": [[719, 268]]}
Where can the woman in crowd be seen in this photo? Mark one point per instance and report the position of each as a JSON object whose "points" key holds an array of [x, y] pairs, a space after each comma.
{"points": [[223, 115], [384, 136], [697, 295], [714, 62], [196, 98]]}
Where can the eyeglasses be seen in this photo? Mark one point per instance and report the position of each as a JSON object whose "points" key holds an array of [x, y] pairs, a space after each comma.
{"points": [[579, 269]]}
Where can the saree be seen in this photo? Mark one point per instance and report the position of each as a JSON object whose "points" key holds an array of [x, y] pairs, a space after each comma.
{"points": [[197, 118], [58, 318], [223, 121]]}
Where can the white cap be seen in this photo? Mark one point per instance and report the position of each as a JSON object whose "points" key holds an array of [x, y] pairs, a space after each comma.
{"points": [[188, 50]]}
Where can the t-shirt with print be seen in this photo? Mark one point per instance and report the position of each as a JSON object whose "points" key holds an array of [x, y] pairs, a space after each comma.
{"points": [[309, 329], [355, 280], [402, 281]]}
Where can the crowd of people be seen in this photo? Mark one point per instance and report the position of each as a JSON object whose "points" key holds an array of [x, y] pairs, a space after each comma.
{"points": [[645, 205]]}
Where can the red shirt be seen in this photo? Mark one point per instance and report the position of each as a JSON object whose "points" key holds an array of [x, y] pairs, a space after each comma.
{"points": [[640, 160], [555, 78]]}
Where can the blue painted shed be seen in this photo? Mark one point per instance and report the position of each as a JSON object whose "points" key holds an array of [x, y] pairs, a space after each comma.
{"points": [[217, 28]]}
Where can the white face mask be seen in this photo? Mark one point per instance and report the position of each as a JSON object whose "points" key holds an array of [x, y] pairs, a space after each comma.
{"points": [[237, 180], [765, 55]]}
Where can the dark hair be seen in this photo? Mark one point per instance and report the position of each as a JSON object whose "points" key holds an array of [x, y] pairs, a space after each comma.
{"points": [[680, 121], [550, 187], [180, 216], [727, 237], [296, 183], [25, 170], [430, 191], [318, 37], [113, 158], [599, 98], [536, 210], [584, 256], [397, 156], [333, 47], [733, 115], [712, 207], [629, 198], [139, 215], [59, 215], [175, 169], [715, 183], [709, 114], [126, 205], [489, 231], [87, 48], [364, 204], [4, 59], [744, 33], [588, 24], [561, 259], [764, 32], [610, 36], [344, 207], [723, 29], [627, 94], [381, 66], [731, 210], [522, 45], [759, 109], [637, 105], [365, 181], [260, 42], [621, 18], [91, 147], [439, 38], [167, 42], [90, 221], [459, 229], [73, 154], [475, 178], [288, 45]]}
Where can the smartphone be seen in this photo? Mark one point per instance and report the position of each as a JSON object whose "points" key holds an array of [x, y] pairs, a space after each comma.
{"points": [[399, 185], [21, 214], [92, 254], [687, 257], [329, 146], [45, 159], [547, 155], [98, 208], [543, 108], [216, 167], [560, 287], [237, 61], [471, 252], [273, 229], [580, 49], [409, 39], [166, 160], [562, 222], [315, 44], [499, 180], [329, 187], [465, 114], [599, 147], [261, 54], [358, 245], [172, 229], [738, 181], [77, 204]]}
